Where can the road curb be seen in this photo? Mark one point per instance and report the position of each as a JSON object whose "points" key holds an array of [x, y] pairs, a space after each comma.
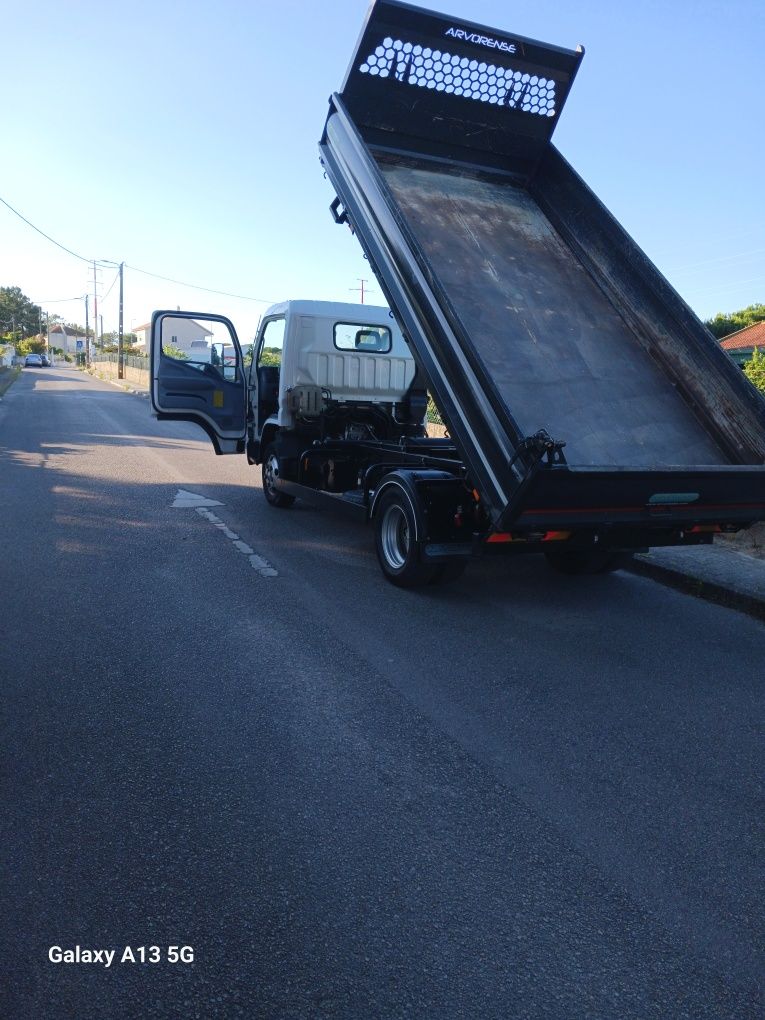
{"points": [[117, 385], [699, 587]]}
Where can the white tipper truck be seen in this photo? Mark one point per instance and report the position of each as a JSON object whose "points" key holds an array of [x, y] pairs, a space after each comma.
{"points": [[589, 411]]}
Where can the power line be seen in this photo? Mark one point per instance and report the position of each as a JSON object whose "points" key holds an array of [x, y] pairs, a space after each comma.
{"points": [[116, 277], [755, 231], [195, 286], [709, 294], [42, 232], [144, 272], [722, 258]]}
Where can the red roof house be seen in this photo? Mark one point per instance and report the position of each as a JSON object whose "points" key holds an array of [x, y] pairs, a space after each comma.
{"points": [[741, 345]]}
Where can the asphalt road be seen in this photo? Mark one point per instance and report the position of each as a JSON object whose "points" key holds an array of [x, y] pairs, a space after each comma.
{"points": [[525, 795]]}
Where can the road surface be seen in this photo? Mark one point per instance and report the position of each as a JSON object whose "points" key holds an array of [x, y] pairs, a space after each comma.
{"points": [[524, 795]]}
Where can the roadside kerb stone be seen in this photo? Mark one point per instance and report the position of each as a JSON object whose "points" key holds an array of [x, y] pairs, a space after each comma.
{"points": [[716, 574]]}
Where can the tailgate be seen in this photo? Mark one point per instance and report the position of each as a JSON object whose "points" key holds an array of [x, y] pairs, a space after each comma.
{"points": [[583, 498]]}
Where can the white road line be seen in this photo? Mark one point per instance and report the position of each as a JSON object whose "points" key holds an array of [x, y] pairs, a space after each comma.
{"points": [[186, 500]]}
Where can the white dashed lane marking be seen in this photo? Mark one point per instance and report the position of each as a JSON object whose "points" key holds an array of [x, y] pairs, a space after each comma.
{"points": [[186, 500], [258, 563], [193, 501]]}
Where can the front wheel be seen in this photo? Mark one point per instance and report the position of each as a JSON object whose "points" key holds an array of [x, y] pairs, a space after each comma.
{"points": [[397, 546], [273, 495]]}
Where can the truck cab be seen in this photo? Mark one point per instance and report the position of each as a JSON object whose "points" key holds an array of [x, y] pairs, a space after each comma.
{"points": [[316, 369]]}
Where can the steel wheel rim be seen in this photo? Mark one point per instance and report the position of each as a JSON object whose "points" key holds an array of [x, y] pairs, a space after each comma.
{"points": [[394, 537], [271, 473]]}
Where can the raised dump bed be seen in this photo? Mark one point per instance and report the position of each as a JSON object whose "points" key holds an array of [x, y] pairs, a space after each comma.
{"points": [[579, 388]]}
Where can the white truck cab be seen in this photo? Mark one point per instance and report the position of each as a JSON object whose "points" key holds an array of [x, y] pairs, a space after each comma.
{"points": [[311, 356], [342, 369]]}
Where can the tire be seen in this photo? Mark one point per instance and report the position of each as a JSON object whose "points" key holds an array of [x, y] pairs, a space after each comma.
{"points": [[586, 561], [397, 548], [271, 472]]}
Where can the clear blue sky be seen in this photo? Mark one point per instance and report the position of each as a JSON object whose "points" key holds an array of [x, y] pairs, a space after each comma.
{"points": [[181, 138]]}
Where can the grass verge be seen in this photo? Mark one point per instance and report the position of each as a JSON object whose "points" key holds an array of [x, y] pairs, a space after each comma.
{"points": [[8, 376]]}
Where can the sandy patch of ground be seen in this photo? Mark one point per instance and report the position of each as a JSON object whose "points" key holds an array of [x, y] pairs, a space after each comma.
{"points": [[751, 542]]}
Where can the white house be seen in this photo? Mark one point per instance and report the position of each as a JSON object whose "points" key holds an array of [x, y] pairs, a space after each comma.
{"points": [[187, 336], [66, 338]]}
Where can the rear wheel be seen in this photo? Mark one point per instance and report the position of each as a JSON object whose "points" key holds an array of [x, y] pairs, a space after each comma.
{"points": [[397, 546], [270, 476], [586, 561]]}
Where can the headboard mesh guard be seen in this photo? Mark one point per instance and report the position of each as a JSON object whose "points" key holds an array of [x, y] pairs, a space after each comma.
{"points": [[425, 81], [460, 76]]}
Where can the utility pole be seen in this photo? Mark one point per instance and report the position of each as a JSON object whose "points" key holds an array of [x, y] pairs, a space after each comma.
{"points": [[95, 306], [361, 288], [120, 335], [87, 331]]}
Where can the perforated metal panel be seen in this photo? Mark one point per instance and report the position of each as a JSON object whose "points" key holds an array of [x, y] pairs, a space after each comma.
{"points": [[427, 68], [425, 81]]}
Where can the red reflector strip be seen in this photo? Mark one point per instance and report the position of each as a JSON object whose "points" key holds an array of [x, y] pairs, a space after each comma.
{"points": [[550, 511], [548, 536]]}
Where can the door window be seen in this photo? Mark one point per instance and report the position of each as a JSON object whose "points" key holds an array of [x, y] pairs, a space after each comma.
{"points": [[272, 343], [206, 347]]}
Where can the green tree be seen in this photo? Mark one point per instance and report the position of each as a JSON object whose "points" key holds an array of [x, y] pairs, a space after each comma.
{"points": [[271, 356], [16, 307], [724, 323], [755, 369], [113, 338], [31, 345], [174, 352]]}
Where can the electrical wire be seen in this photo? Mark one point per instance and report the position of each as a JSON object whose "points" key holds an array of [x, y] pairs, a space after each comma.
{"points": [[144, 272], [116, 277], [710, 294], [194, 286], [722, 258], [47, 237]]}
